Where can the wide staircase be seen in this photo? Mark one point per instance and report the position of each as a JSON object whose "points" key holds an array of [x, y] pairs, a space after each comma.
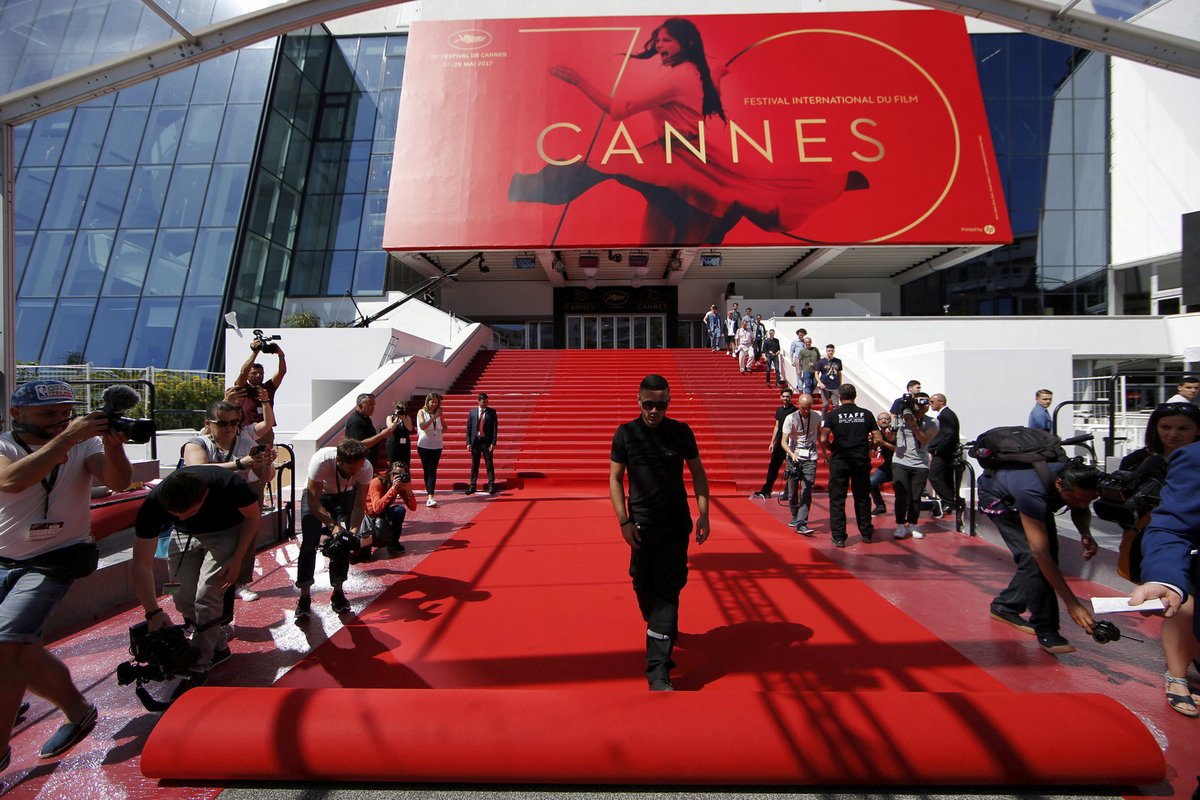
{"points": [[558, 409]]}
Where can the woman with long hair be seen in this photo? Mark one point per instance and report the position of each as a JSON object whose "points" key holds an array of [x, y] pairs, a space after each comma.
{"points": [[431, 428], [689, 201], [387, 496], [1171, 426]]}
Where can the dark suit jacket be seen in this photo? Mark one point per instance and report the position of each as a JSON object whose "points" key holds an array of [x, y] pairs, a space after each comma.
{"points": [[489, 426], [1174, 529], [945, 440]]}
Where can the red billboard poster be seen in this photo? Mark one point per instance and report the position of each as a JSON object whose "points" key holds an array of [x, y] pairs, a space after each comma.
{"points": [[738, 130]]}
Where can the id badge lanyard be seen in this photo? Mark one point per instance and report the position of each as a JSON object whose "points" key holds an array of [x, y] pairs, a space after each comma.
{"points": [[47, 482]]}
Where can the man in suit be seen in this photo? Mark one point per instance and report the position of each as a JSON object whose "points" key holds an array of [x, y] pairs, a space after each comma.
{"points": [[481, 440], [942, 450]]}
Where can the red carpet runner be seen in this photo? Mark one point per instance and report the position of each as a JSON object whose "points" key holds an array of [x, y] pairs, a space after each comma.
{"points": [[525, 629]]}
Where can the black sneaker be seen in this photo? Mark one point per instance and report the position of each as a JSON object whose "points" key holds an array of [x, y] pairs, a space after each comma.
{"points": [[1015, 620], [804, 530], [867, 538], [839, 543], [1053, 642], [220, 656], [395, 549], [338, 602], [304, 606], [761, 495], [662, 685], [470, 490], [878, 510]]}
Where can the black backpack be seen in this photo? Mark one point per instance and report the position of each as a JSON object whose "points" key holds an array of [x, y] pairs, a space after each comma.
{"points": [[1018, 447]]}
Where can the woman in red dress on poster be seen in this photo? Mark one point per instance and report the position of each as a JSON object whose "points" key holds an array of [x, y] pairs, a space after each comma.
{"points": [[689, 201]]}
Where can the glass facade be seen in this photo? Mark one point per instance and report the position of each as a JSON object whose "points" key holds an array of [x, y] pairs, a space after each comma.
{"points": [[1047, 106]]}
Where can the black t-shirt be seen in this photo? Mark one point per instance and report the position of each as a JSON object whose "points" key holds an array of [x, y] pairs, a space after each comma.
{"points": [[653, 459], [359, 426], [851, 427], [228, 493], [782, 413]]}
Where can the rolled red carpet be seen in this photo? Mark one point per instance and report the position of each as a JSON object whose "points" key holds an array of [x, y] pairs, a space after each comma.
{"points": [[566, 736]]}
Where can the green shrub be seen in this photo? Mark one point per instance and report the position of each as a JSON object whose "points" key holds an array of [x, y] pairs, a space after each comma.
{"points": [[302, 319]]}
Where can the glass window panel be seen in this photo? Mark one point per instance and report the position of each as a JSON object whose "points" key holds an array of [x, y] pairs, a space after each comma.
{"points": [[1089, 78], [68, 331], [369, 69], [358, 162], [1062, 127], [369, 274], [47, 140], [29, 196], [393, 72], [1091, 178], [1024, 79], [375, 209], [348, 47], [20, 139], [169, 264], [151, 340], [335, 113], [287, 88], [275, 144], [210, 263], [275, 277], [226, 191], [33, 317], [380, 174], [127, 265], [89, 259], [1091, 238], [124, 135], [185, 197], [997, 115], [295, 171], [251, 75], [34, 69], [22, 244], [195, 333], [175, 88], [341, 272], [83, 27], [47, 33], [86, 137], [239, 133], [140, 94], [308, 278], [196, 13], [314, 226], [200, 134], [65, 203], [365, 111], [50, 252], [103, 209], [121, 24], [1025, 126], [1025, 183], [306, 108], [1060, 182], [1056, 240], [1091, 129], [325, 175], [346, 237], [388, 113], [287, 209], [262, 211], [163, 132], [212, 79], [254, 262], [316, 59], [395, 46], [1058, 60], [147, 191]]}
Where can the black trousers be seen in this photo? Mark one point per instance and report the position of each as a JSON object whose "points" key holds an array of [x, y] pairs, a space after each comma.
{"points": [[944, 478], [1029, 588], [778, 454], [429, 466], [480, 449], [849, 471], [311, 529], [659, 571]]}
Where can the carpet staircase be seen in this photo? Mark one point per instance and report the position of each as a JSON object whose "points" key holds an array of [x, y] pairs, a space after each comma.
{"points": [[558, 409]]}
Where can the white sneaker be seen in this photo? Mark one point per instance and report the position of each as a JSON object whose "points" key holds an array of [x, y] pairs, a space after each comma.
{"points": [[246, 594], [431, 503], [901, 532], [916, 534]]}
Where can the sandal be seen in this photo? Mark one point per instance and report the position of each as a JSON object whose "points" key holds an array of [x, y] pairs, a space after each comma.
{"points": [[1182, 701]]}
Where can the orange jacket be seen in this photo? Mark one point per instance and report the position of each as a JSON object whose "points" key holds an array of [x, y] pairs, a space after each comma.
{"points": [[378, 500]]}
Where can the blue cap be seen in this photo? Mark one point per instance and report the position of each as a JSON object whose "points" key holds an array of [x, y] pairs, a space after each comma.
{"points": [[43, 393]]}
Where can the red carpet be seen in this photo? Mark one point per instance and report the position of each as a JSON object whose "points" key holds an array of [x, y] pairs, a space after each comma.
{"points": [[791, 671]]}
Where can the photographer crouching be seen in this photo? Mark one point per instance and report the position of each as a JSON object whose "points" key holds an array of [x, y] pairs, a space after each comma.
{"points": [[333, 504], [215, 516], [47, 463]]}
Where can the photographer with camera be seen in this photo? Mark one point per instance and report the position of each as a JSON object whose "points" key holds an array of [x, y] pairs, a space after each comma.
{"points": [[1128, 497], [251, 375], [215, 517], [230, 445], [800, 438], [333, 504], [910, 463], [910, 389], [382, 508], [399, 444], [47, 464], [1022, 502]]}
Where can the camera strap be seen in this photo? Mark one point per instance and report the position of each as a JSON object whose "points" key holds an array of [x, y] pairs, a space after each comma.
{"points": [[47, 482]]}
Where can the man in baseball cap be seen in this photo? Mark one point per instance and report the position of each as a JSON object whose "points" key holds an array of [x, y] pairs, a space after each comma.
{"points": [[47, 463]]}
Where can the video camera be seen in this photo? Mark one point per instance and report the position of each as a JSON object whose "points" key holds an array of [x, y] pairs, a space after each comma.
{"points": [[910, 403], [266, 344], [340, 545], [1127, 495], [115, 401], [159, 655]]}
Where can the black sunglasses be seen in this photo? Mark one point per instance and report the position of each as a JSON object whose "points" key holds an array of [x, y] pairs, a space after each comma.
{"points": [[222, 423], [655, 405]]}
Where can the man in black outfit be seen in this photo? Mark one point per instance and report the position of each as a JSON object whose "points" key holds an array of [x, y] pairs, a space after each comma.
{"points": [[770, 352], [942, 450], [848, 434], [359, 426], [656, 522], [778, 454], [481, 440], [215, 514]]}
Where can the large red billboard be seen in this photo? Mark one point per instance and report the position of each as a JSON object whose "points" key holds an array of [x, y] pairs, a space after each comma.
{"points": [[740, 130]]}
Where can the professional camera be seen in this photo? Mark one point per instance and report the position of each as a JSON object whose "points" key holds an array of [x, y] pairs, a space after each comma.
{"points": [[266, 344], [1104, 632], [1126, 496], [910, 403], [340, 545], [115, 401], [157, 656]]}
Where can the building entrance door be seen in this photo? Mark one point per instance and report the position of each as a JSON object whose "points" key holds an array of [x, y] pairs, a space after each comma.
{"points": [[616, 332]]}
